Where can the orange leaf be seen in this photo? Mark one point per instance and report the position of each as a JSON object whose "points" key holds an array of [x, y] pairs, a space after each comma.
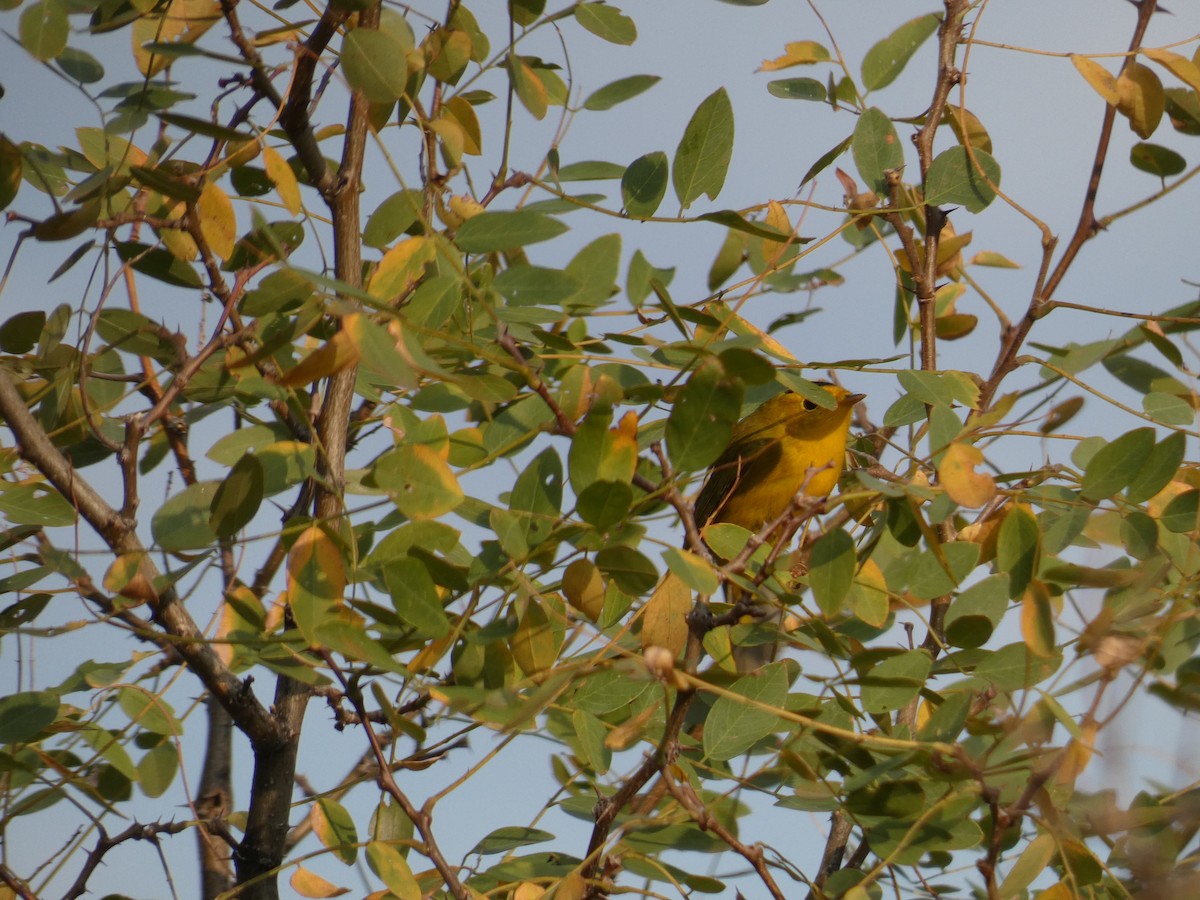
{"points": [[1078, 754], [335, 355], [957, 474], [796, 53], [310, 884]]}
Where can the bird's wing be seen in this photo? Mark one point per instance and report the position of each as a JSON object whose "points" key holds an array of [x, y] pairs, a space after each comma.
{"points": [[723, 478]]}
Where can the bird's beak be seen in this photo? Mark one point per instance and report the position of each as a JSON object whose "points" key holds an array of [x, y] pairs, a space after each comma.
{"points": [[851, 399]]}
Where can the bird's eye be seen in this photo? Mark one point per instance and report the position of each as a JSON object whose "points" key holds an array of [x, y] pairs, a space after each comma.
{"points": [[809, 405]]}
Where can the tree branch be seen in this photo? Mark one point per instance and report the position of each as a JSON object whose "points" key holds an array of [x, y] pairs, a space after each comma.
{"points": [[167, 610], [1085, 229]]}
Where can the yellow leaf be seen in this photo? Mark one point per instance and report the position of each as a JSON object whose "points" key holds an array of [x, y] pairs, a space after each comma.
{"points": [[584, 588], [796, 53], [431, 654], [183, 22], [992, 258], [968, 129], [1060, 891], [335, 355], [283, 178], [453, 140], [572, 887], [1180, 66], [465, 207], [664, 622], [127, 576], [310, 884], [463, 113], [527, 890], [218, 223], [401, 268], [1078, 754], [957, 475], [314, 565], [1099, 78], [1141, 99], [533, 644], [740, 326], [242, 153], [869, 595], [777, 218], [619, 459], [1031, 863], [1037, 620]]}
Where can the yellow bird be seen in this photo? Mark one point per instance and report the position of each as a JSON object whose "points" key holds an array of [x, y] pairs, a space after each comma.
{"points": [[787, 445]]}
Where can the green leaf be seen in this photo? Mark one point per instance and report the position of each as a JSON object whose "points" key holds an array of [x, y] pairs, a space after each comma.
{"points": [[797, 89], [692, 570], [887, 59], [374, 63], [954, 180], [529, 88], [644, 184], [149, 711], [603, 504], [1116, 464], [1180, 515], [733, 725], [237, 498], [44, 29], [526, 285], [415, 597], [489, 232], [419, 481], [831, 570], [606, 22], [334, 827], [876, 148], [1013, 667], [11, 167], [157, 769], [1018, 548], [1157, 469], [510, 837], [388, 862], [701, 421], [619, 91], [895, 682], [1168, 409], [80, 65], [929, 576], [182, 522], [24, 715], [393, 217], [36, 504], [158, 263], [1157, 160], [702, 157], [595, 267], [632, 572], [590, 170]]}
